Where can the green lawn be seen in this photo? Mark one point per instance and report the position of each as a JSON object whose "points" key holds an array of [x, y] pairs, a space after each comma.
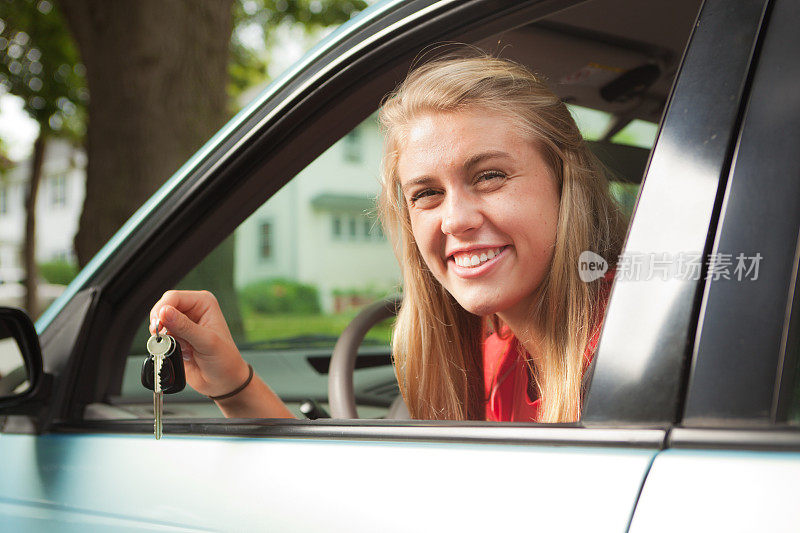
{"points": [[261, 327]]}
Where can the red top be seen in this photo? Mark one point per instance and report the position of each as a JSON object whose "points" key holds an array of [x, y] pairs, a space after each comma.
{"points": [[506, 375]]}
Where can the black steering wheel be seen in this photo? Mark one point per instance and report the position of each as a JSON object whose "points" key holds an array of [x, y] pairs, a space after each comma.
{"points": [[341, 393]]}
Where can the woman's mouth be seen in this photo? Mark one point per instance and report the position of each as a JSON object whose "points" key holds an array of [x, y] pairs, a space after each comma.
{"points": [[476, 258]]}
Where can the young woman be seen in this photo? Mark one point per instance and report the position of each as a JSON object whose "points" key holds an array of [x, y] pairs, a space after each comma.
{"points": [[489, 197]]}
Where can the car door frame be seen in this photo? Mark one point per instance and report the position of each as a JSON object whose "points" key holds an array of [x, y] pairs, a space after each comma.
{"points": [[277, 136]]}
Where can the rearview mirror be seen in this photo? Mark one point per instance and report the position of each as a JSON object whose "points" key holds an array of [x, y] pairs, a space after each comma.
{"points": [[20, 357]]}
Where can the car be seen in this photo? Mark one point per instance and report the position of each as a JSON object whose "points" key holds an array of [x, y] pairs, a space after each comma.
{"points": [[690, 420]]}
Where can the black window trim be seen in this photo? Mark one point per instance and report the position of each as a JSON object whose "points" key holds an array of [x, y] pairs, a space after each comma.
{"points": [[744, 325], [717, 61]]}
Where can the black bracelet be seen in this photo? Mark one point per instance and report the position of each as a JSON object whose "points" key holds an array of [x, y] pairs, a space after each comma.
{"points": [[239, 389]]}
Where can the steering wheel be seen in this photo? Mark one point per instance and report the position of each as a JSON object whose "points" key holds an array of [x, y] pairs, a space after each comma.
{"points": [[341, 393]]}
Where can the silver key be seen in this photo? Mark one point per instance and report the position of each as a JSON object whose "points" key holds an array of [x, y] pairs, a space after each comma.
{"points": [[158, 346], [158, 396]]}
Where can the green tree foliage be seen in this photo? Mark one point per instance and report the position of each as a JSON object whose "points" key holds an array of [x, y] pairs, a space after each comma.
{"points": [[247, 66], [39, 63]]}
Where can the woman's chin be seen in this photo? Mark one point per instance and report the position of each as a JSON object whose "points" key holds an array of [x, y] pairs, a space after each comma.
{"points": [[479, 308], [482, 306]]}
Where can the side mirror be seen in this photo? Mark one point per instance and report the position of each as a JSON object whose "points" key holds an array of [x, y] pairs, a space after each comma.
{"points": [[21, 372]]}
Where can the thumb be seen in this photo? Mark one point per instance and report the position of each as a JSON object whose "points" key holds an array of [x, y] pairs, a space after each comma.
{"points": [[182, 326]]}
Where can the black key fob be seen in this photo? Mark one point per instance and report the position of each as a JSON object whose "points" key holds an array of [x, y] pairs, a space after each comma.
{"points": [[173, 375]]}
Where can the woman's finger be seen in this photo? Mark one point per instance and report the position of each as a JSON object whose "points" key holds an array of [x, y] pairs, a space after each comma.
{"points": [[179, 325]]}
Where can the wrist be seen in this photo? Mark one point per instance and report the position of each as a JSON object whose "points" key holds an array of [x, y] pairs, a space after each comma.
{"points": [[236, 385]]}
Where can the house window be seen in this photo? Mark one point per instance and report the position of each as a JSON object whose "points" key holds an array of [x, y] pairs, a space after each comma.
{"points": [[352, 227], [3, 199], [351, 146], [265, 240], [62, 256], [58, 190], [336, 226], [356, 227]]}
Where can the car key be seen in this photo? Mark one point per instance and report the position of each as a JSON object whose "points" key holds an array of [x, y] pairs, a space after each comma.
{"points": [[158, 347], [162, 372], [173, 375]]}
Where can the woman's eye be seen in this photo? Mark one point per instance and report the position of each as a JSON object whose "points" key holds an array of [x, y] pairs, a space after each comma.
{"points": [[490, 178], [424, 196]]}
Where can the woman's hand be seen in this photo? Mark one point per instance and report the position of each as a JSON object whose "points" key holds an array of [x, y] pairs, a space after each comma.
{"points": [[213, 364]]}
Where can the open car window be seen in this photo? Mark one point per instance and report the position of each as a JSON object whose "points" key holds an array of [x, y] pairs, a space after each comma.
{"points": [[298, 270], [290, 279], [292, 275]]}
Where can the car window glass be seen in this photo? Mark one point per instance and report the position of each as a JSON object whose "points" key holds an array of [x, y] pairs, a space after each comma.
{"points": [[640, 133], [592, 122]]}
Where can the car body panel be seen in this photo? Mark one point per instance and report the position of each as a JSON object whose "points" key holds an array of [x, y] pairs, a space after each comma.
{"points": [[713, 490], [278, 484]]}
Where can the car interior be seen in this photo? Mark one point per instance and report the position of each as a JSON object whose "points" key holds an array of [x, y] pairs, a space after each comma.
{"points": [[612, 61]]}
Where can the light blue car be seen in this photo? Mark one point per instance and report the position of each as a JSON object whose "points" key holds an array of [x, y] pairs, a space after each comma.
{"points": [[690, 420]]}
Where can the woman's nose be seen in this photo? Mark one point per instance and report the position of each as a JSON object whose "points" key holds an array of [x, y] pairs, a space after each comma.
{"points": [[461, 214]]}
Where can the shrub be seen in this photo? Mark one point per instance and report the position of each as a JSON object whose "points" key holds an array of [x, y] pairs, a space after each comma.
{"points": [[58, 272], [280, 295]]}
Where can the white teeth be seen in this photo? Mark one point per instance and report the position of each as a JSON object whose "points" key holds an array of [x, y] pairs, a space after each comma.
{"points": [[466, 260]]}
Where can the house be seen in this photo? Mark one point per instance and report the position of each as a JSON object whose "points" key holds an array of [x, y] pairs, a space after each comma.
{"points": [[321, 224], [58, 208]]}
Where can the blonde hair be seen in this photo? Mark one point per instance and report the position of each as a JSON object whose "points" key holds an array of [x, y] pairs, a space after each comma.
{"points": [[437, 344]]}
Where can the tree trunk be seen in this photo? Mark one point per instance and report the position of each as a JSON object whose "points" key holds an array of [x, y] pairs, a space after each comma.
{"points": [[31, 303], [157, 74]]}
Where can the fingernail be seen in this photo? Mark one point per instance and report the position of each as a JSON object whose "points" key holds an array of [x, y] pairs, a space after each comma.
{"points": [[186, 357], [169, 313]]}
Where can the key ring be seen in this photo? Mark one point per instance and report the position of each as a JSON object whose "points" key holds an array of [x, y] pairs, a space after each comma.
{"points": [[158, 328]]}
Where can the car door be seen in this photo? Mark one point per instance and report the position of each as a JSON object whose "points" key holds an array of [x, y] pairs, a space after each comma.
{"points": [[362, 475], [733, 461]]}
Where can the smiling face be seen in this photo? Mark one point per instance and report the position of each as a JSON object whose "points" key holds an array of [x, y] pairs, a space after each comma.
{"points": [[483, 205]]}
